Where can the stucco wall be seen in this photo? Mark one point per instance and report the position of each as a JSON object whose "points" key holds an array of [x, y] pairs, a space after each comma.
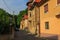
{"points": [[50, 16], [32, 19]]}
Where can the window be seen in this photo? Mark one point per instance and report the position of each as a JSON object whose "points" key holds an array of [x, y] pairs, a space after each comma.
{"points": [[58, 1], [30, 22], [46, 8], [46, 25], [22, 26], [33, 23], [30, 14]]}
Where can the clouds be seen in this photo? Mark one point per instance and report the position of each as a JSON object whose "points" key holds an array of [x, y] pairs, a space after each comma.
{"points": [[16, 5]]}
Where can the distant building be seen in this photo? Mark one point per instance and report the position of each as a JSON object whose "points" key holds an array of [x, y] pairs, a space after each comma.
{"points": [[24, 23]]}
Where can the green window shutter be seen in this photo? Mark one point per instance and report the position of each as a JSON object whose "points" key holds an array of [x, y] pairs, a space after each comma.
{"points": [[46, 25]]}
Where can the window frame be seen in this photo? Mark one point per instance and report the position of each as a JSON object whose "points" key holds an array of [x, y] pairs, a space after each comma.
{"points": [[30, 14], [46, 8], [46, 25]]}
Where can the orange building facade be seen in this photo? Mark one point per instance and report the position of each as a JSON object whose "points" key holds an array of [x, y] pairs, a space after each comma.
{"points": [[47, 17], [50, 17]]}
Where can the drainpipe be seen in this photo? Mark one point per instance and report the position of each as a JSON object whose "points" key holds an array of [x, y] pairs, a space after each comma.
{"points": [[35, 22], [39, 21]]}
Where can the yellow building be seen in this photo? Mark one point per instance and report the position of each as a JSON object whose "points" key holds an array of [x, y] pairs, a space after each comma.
{"points": [[24, 23], [31, 19], [34, 16]]}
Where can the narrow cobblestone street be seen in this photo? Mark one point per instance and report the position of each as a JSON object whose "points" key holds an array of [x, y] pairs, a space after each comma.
{"points": [[19, 35], [22, 35]]}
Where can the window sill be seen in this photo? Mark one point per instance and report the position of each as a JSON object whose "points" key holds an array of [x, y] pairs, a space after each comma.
{"points": [[57, 5], [45, 12]]}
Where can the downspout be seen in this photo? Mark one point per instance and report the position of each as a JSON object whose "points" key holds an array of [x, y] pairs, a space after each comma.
{"points": [[39, 21], [35, 21]]}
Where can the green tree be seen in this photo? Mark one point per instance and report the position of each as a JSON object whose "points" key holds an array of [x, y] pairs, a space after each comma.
{"points": [[4, 20]]}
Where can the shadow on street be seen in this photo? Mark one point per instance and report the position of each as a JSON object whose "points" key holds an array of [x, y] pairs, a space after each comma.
{"points": [[22, 35]]}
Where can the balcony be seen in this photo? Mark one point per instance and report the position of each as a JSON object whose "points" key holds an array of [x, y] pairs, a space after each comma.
{"points": [[58, 16]]}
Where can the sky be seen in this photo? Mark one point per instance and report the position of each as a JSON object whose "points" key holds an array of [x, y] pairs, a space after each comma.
{"points": [[13, 5]]}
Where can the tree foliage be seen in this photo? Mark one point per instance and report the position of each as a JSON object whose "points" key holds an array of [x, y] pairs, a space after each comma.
{"points": [[4, 20]]}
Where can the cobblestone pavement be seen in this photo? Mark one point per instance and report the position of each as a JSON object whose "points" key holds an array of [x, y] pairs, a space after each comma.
{"points": [[21, 35]]}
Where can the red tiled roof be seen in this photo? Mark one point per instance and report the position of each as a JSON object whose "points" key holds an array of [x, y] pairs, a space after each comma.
{"points": [[25, 17], [37, 0]]}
